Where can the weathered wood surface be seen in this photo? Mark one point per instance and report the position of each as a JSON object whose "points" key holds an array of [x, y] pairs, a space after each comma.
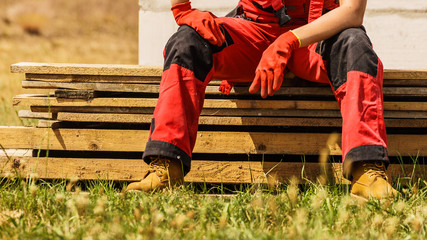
{"points": [[301, 112], [87, 95], [134, 140], [207, 141], [48, 123], [213, 89], [40, 100], [238, 121], [239, 112], [405, 74], [112, 87], [205, 120], [64, 117], [290, 80], [11, 153], [92, 78], [206, 171], [137, 70], [135, 169], [85, 69], [215, 107], [35, 115]]}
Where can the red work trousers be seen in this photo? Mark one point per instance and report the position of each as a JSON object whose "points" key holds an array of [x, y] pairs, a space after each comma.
{"points": [[346, 61]]}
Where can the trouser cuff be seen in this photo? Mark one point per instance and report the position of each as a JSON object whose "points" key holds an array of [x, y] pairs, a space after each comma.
{"points": [[168, 150], [376, 153]]}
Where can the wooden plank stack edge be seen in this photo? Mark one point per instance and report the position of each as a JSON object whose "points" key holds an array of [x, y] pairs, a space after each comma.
{"points": [[94, 124]]}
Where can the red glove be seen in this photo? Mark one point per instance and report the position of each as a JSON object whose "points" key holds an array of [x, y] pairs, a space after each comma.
{"points": [[205, 23], [271, 67], [225, 87]]}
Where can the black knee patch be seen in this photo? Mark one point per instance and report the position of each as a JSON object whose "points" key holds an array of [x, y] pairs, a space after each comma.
{"points": [[349, 50], [189, 50]]}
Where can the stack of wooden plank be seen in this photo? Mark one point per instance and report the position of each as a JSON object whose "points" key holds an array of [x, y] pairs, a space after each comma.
{"points": [[95, 122]]}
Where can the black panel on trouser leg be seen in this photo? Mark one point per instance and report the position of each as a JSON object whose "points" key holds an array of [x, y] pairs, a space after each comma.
{"points": [[188, 49], [349, 50], [364, 153], [152, 126]]}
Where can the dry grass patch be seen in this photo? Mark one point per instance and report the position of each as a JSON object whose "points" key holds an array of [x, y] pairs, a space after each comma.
{"points": [[94, 32]]}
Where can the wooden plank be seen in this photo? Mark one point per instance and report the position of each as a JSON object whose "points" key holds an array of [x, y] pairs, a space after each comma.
{"points": [[154, 88], [9, 153], [85, 69], [238, 121], [405, 82], [213, 89], [135, 169], [48, 123], [207, 142], [203, 120], [129, 169], [138, 70], [405, 91], [91, 78], [405, 74], [36, 115], [288, 81], [112, 87], [231, 112], [104, 117], [87, 95], [134, 140], [41, 100], [233, 172]]}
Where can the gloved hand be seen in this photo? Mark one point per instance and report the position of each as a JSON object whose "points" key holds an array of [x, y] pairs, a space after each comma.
{"points": [[225, 87], [205, 23], [271, 67]]}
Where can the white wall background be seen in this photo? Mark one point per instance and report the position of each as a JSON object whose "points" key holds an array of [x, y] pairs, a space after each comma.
{"points": [[398, 29]]}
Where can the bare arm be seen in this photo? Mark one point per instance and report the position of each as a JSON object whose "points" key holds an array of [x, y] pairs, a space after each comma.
{"points": [[173, 2], [348, 14], [269, 73]]}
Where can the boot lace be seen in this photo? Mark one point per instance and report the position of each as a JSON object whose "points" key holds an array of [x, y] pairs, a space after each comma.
{"points": [[158, 165], [375, 170]]}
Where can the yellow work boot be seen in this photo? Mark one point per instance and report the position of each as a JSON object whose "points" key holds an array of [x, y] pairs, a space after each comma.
{"points": [[162, 173], [370, 181]]}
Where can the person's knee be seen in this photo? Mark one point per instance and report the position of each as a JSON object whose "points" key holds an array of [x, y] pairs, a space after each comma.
{"points": [[350, 50], [188, 49], [353, 40]]}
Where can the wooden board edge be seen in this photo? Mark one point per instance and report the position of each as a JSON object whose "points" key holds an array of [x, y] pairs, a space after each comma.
{"points": [[211, 171], [210, 142], [86, 69], [138, 70]]}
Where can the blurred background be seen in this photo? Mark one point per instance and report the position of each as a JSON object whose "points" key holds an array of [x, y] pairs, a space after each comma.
{"points": [[77, 31]]}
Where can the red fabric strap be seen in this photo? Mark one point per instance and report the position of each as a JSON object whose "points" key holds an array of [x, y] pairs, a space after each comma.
{"points": [[275, 4], [316, 10]]}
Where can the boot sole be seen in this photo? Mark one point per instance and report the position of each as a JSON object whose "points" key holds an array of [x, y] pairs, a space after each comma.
{"points": [[362, 200]]}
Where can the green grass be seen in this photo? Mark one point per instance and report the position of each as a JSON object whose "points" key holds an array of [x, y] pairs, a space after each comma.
{"points": [[60, 210]]}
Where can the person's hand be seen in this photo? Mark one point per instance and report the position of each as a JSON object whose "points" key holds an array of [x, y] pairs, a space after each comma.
{"points": [[225, 87], [205, 23], [271, 67]]}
